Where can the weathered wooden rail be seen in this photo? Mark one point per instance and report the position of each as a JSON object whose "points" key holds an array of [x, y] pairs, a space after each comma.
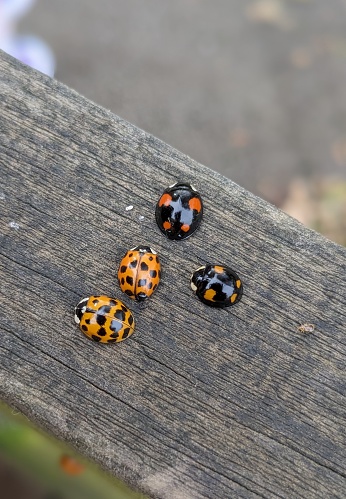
{"points": [[198, 402]]}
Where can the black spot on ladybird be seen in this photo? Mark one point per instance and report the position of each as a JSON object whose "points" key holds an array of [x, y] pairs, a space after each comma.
{"points": [[96, 338], [129, 280], [84, 328], [123, 269], [144, 266], [153, 273], [133, 264], [101, 319], [102, 331], [120, 314], [142, 283], [126, 332]]}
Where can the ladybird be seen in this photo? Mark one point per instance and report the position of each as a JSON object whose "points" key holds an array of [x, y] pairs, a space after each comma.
{"points": [[217, 285], [179, 211], [139, 273], [104, 319]]}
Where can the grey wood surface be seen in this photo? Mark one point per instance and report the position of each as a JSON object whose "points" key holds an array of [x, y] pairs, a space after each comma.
{"points": [[198, 403]]}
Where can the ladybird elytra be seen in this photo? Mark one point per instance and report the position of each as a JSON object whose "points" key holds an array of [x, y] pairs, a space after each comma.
{"points": [[139, 273], [104, 319], [217, 285], [179, 211]]}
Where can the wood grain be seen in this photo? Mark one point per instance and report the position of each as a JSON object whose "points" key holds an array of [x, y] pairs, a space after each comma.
{"points": [[198, 403]]}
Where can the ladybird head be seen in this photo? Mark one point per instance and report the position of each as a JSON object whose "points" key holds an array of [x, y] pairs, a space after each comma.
{"points": [[80, 309], [182, 185], [143, 249], [197, 277]]}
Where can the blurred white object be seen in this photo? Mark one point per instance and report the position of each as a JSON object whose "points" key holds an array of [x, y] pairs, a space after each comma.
{"points": [[7, 28], [32, 51], [13, 9]]}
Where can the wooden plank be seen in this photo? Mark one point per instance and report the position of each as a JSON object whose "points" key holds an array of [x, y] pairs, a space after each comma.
{"points": [[199, 402]]}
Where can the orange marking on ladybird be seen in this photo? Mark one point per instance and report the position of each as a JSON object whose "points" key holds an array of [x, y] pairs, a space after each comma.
{"points": [[238, 283], [218, 269], [195, 204], [165, 200], [185, 227], [233, 297], [167, 225], [209, 294]]}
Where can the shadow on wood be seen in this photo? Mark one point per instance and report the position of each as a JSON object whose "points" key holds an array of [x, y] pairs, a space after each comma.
{"points": [[199, 402]]}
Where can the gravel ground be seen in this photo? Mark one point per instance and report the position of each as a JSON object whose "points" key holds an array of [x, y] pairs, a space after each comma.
{"points": [[254, 88]]}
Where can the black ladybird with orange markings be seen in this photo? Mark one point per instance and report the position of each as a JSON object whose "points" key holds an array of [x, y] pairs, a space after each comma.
{"points": [[217, 286], [179, 211]]}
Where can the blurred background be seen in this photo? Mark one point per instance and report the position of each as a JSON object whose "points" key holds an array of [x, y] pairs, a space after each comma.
{"points": [[255, 89]]}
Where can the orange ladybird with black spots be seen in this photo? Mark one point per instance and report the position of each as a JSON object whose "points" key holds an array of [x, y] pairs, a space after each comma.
{"points": [[104, 319], [179, 211], [139, 273], [217, 285]]}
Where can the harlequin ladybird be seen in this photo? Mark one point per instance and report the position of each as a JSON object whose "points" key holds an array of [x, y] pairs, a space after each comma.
{"points": [[139, 273], [104, 319], [217, 286], [179, 211]]}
